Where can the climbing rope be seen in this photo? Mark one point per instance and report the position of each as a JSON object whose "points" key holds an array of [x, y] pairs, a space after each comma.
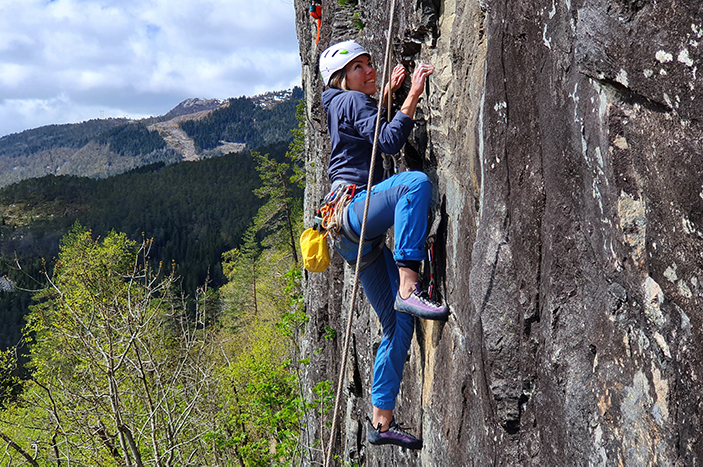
{"points": [[355, 284], [390, 165]]}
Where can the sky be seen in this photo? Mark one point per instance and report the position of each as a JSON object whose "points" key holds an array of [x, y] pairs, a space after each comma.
{"points": [[67, 61]]}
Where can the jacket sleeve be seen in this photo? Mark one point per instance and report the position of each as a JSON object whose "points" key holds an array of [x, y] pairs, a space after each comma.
{"points": [[392, 135]]}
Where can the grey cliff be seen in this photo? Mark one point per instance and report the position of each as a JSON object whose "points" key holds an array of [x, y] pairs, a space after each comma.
{"points": [[565, 144]]}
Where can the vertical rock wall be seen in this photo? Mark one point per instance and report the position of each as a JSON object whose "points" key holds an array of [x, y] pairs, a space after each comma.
{"points": [[564, 139]]}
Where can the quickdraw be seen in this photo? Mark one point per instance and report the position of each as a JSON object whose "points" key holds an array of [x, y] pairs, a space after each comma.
{"points": [[430, 258], [431, 238], [316, 13], [328, 216]]}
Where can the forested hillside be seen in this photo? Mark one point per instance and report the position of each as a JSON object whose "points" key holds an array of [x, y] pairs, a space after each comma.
{"points": [[243, 120], [114, 367], [153, 317], [102, 148], [193, 211], [55, 136], [96, 148]]}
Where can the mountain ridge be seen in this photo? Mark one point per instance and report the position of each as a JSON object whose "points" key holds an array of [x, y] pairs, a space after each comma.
{"points": [[101, 148]]}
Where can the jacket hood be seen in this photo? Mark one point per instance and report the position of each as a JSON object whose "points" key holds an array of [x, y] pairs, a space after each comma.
{"points": [[328, 95]]}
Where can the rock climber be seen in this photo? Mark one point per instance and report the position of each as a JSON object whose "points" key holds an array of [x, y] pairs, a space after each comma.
{"points": [[402, 201]]}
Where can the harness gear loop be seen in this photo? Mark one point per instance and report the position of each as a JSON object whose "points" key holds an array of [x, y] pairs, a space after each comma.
{"points": [[332, 209], [390, 166], [316, 13], [342, 370]]}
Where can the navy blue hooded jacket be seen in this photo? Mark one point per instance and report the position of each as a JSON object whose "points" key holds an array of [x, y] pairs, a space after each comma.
{"points": [[351, 121]]}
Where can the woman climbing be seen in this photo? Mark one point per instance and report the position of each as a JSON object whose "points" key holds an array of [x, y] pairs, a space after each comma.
{"points": [[402, 200]]}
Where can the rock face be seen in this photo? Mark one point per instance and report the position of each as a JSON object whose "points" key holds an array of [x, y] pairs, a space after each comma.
{"points": [[565, 141]]}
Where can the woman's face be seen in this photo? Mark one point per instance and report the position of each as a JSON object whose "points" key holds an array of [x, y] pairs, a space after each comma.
{"points": [[361, 76]]}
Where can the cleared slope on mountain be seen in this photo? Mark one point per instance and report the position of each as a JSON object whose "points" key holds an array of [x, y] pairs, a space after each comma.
{"points": [[106, 147]]}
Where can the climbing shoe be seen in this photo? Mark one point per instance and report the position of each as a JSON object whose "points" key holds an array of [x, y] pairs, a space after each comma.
{"points": [[421, 305], [393, 435]]}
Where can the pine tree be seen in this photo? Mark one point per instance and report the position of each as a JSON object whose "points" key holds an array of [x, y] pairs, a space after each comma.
{"points": [[276, 215]]}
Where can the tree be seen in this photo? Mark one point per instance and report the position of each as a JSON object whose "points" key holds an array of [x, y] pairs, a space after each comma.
{"points": [[278, 183], [260, 421], [241, 268], [119, 376], [296, 149], [276, 214]]}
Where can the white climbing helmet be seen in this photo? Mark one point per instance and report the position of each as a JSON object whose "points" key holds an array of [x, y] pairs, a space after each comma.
{"points": [[336, 57]]}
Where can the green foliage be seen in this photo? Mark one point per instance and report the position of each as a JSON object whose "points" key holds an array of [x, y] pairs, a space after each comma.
{"points": [[240, 266], [330, 333], [261, 417], [354, 6], [357, 22], [281, 185], [275, 217], [10, 381], [265, 315], [294, 319], [117, 375], [322, 403], [296, 149]]}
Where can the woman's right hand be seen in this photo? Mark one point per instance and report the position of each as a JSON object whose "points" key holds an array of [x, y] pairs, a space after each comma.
{"points": [[422, 71]]}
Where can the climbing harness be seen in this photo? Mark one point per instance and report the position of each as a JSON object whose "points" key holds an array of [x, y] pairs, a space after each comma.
{"points": [[355, 285], [331, 212], [329, 220], [390, 166], [316, 13]]}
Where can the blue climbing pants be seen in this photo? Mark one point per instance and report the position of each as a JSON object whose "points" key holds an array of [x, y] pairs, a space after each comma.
{"points": [[402, 201]]}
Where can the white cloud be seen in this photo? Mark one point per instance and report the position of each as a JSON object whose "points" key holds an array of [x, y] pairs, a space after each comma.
{"points": [[68, 60]]}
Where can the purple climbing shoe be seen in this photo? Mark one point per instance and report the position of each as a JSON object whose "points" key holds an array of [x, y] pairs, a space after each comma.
{"points": [[420, 305], [393, 435]]}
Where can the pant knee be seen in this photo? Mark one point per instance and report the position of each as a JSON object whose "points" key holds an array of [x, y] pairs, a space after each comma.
{"points": [[419, 185]]}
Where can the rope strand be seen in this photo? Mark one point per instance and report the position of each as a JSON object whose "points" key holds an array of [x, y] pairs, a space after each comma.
{"points": [[342, 370]]}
